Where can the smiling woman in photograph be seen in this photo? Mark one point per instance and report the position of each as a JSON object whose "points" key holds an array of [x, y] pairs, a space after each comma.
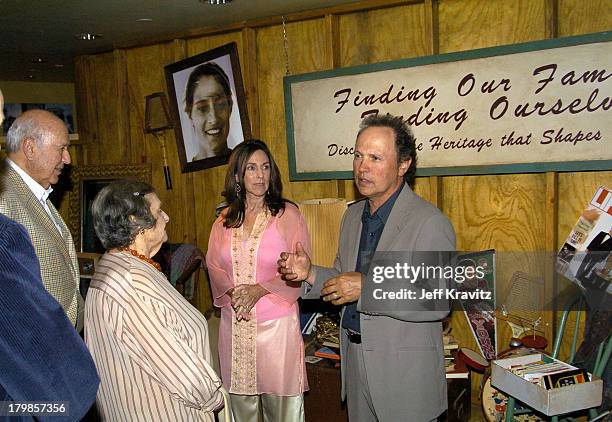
{"points": [[261, 351], [208, 103]]}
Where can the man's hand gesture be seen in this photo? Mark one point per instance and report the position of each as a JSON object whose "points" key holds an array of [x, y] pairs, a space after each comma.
{"points": [[296, 266]]}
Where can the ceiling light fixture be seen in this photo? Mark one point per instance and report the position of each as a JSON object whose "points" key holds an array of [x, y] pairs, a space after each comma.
{"points": [[216, 2], [87, 36], [144, 20], [39, 60]]}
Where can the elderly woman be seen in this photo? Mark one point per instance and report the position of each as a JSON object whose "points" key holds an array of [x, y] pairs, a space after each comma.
{"points": [[260, 345], [149, 344]]}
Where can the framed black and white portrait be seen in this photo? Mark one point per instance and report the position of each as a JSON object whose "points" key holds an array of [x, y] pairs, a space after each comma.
{"points": [[208, 103]]}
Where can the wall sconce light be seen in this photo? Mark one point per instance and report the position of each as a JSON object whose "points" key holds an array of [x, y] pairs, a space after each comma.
{"points": [[157, 120]]}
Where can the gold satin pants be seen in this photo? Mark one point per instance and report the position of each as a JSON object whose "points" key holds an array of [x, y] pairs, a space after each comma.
{"points": [[267, 408]]}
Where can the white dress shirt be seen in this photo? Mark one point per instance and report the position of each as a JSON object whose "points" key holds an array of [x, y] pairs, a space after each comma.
{"points": [[39, 192]]}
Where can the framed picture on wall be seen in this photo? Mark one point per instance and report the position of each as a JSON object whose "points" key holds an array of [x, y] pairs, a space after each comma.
{"points": [[208, 104], [87, 181], [14, 110]]}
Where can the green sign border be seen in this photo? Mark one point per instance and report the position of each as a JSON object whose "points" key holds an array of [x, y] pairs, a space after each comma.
{"points": [[443, 58]]}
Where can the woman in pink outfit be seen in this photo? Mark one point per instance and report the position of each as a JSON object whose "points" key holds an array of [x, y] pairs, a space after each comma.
{"points": [[261, 350]]}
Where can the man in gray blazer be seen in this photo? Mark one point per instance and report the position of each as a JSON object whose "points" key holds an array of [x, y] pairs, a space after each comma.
{"points": [[37, 151], [392, 359]]}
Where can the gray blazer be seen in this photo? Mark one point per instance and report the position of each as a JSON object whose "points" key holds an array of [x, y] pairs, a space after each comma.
{"points": [[403, 350], [59, 267]]}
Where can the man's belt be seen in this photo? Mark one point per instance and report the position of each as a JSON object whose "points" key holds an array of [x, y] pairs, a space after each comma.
{"points": [[354, 337]]}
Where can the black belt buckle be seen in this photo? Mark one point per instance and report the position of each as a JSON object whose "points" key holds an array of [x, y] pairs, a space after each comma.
{"points": [[354, 338]]}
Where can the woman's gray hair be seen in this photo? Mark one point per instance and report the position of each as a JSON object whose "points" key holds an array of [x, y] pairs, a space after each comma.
{"points": [[25, 126], [120, 211]]}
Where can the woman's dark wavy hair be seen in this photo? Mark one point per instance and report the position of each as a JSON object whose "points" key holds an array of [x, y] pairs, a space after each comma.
{"points": [[237, 167], [405, 144], [120, 211]]}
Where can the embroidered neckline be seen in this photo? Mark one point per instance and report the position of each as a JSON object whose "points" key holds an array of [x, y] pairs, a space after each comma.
{"points": [[244, 333]]}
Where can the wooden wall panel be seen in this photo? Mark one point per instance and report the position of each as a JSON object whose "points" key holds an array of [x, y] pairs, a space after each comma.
{"points": [[144, 148], [106, 133], [202, 44], [307, 53], [505, 212], [111, 108], [381, 35], [470, 24], [584, 16], [85, 95]]}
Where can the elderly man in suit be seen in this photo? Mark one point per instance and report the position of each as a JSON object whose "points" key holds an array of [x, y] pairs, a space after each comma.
{"points": [[37, 151], [392, 359], [56, 366]]}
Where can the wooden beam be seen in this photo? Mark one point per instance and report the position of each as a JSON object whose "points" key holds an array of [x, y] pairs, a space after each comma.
{"points": [[550, 278], [432, 27], [435, 191], [551, 14], [123, 105], [250, 77], [332, 26]]}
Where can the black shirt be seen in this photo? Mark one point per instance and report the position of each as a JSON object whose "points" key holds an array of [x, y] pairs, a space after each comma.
{"points": [[372, 227]]}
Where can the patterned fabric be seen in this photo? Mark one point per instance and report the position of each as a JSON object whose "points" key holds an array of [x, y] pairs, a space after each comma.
{"points": [[58, 261], [43, 357], [244, 339], [149, 344], [181, 260]]}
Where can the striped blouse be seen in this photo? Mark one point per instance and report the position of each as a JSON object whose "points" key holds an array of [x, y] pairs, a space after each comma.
{"points": [[149, 344]]}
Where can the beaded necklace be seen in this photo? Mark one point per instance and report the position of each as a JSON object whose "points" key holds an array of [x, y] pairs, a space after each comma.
{"points": [[141, 257]]}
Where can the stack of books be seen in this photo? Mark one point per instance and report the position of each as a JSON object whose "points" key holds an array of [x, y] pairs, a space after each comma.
{"points": [[455, 368], [328, 353], [549, 373], [449, 342]]}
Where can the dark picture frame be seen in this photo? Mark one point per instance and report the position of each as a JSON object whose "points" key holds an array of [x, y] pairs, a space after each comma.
{"points": [[208, 122], [87, 181], [64, 112]]}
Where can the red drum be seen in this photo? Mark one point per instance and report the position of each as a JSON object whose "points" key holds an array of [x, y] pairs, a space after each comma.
{"points": [[473, 360], [535, 342]]}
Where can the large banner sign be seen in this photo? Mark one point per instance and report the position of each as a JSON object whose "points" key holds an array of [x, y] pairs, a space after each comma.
{"points": [[542, 106]]}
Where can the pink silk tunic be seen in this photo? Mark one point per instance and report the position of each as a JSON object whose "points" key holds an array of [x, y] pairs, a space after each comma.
{"points": [[279, 353]]}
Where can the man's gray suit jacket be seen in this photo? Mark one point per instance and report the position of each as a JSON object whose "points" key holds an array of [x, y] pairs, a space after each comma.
{"points": [[59, 267], [403, 350]]}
